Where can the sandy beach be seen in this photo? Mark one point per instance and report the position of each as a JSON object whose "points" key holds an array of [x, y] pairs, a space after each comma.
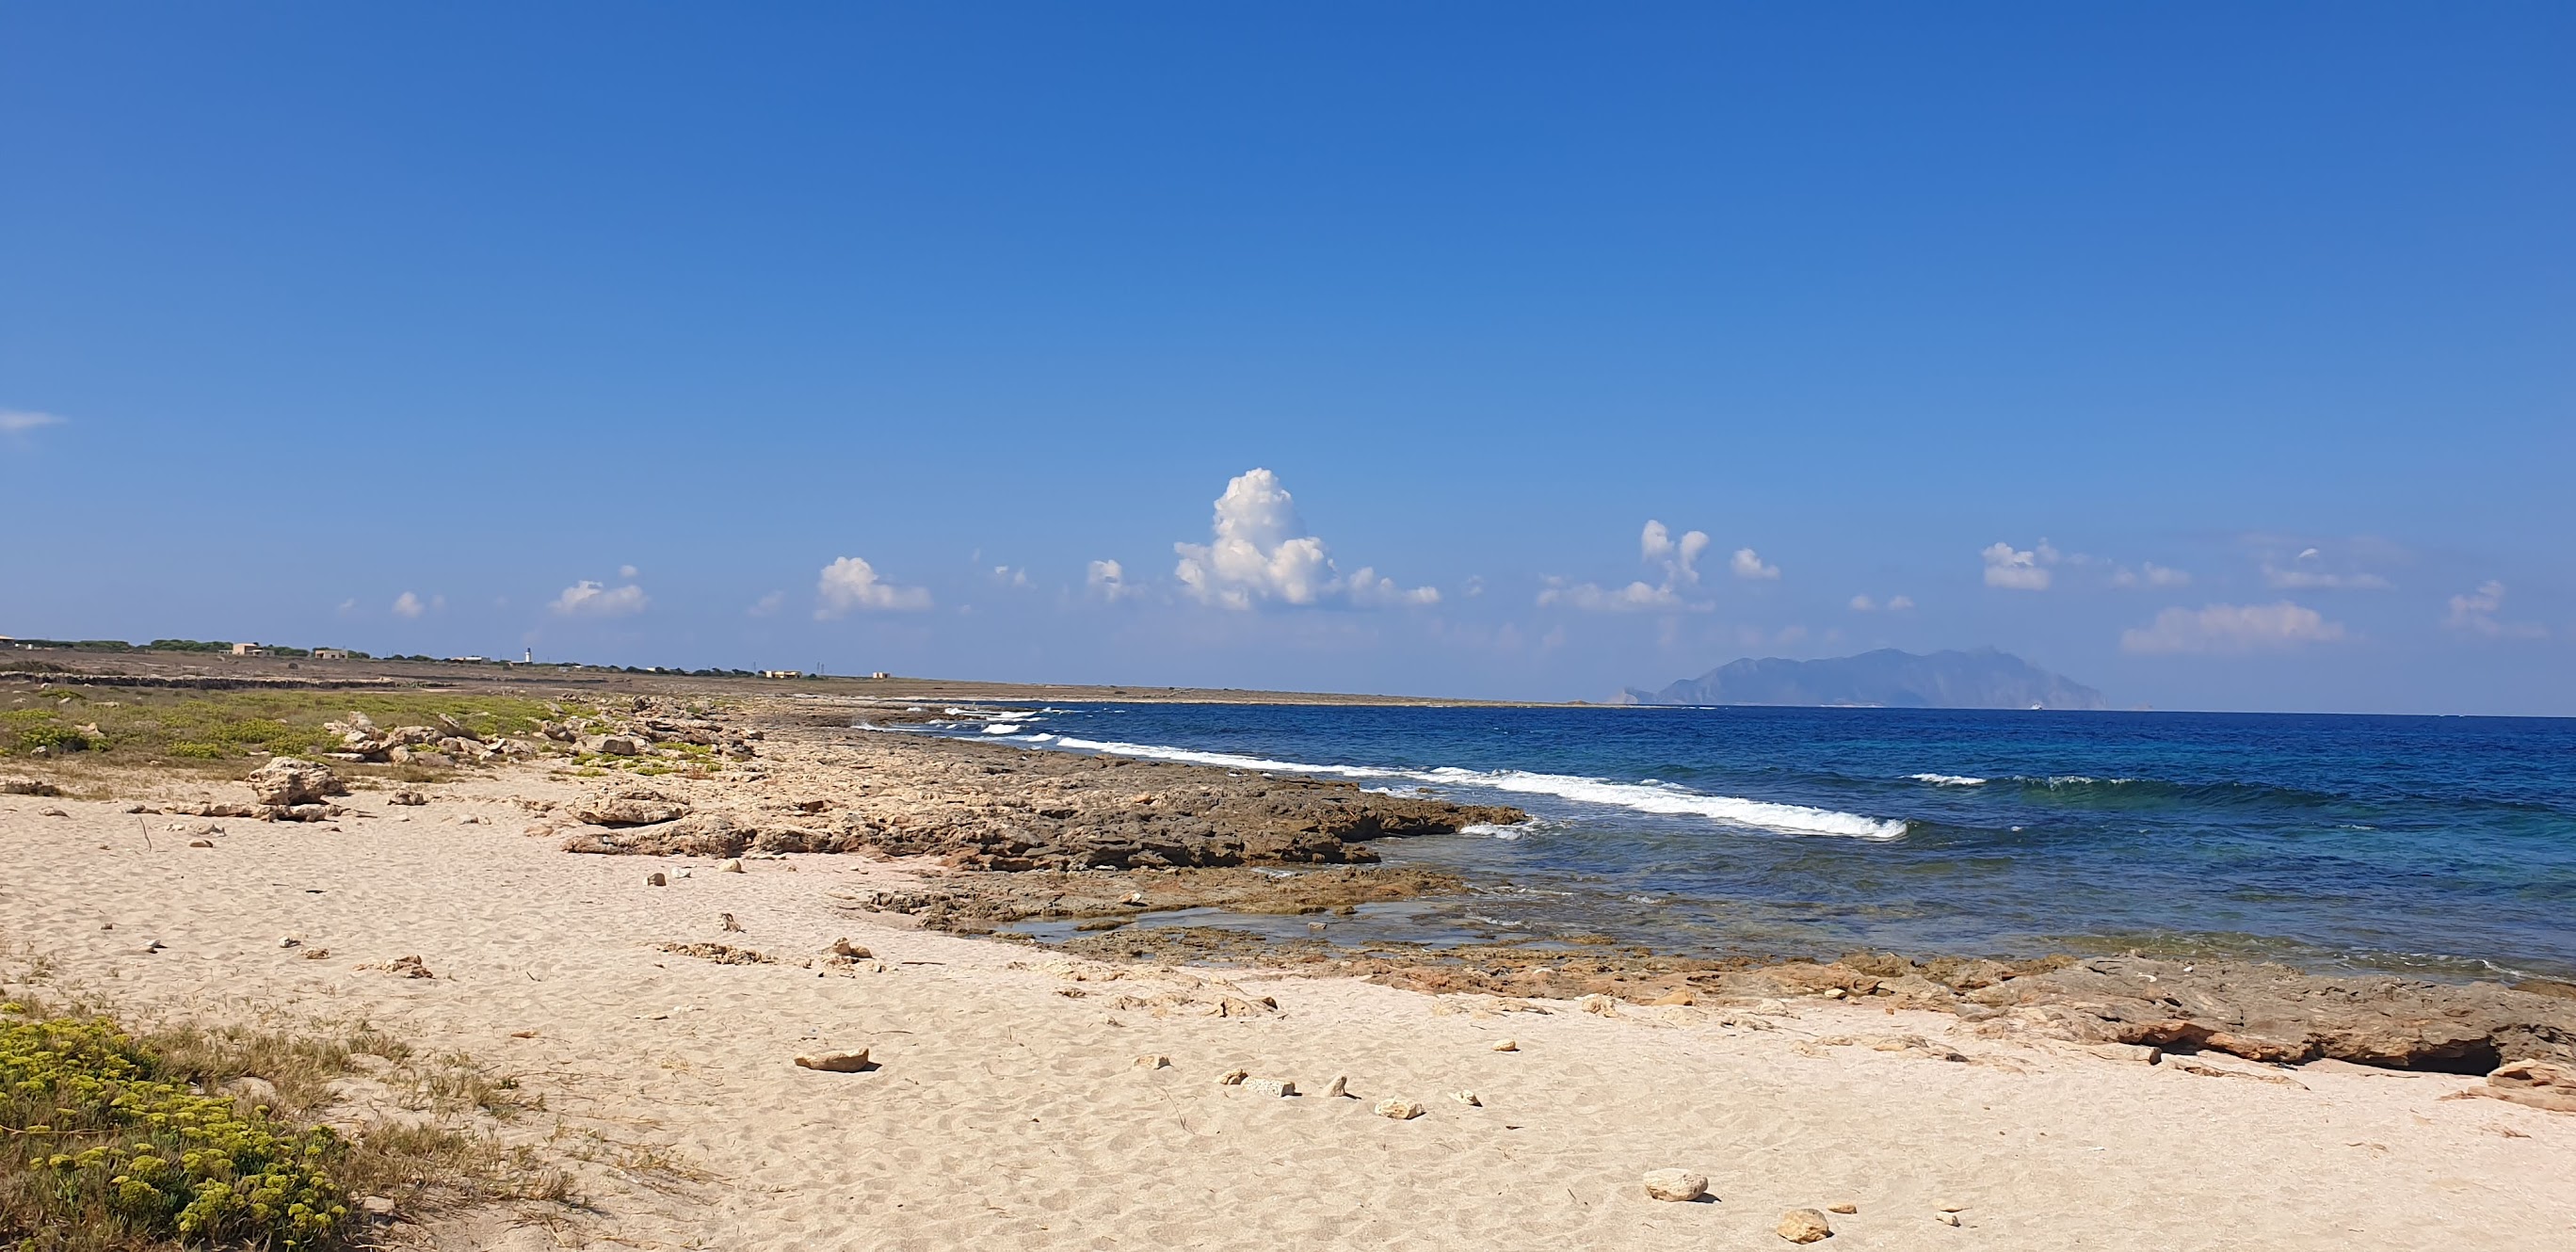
{"points": [[1008, 1106]]}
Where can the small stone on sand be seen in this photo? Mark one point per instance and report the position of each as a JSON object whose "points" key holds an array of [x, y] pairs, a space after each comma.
{"points": [[1270, 1086], [1232, 1077], [1677, 1185], [835, 1062], [1507, 1046], [1601, 1004], [732, 865], [1946, 1219], [725, 921], [201, 843], [1844, 1207], [1675, 997], [1948, 1206], [850, 951], [1153, 1062], [1338, 1087], [1803, 1226], [1400, 1110], [1468, 1098], [656, 879]]}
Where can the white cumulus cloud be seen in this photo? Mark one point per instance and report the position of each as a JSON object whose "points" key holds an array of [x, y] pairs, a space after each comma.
{"points": [[1255, 555], [2227, 629], [1680, 558], [2018, 570], [1748, 564], [2476, 614], [408, 605], [851, 583], [589, 599]]}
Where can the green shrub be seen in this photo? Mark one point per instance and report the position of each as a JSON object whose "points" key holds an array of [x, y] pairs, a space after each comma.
{"points": [[25, 730], [101, 1142]]}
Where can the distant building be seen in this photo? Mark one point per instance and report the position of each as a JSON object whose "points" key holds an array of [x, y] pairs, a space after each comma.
{"points": [[468, 660], [880, 674], [330, 654], [249, 649], [782, 673]]}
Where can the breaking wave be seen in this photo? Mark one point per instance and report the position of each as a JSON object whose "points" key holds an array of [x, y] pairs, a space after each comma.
{"points": [[1660, 798], [1948, 780]]}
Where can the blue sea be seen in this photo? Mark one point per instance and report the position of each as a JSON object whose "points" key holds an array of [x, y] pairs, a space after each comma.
{"points": [[2439, 847]]}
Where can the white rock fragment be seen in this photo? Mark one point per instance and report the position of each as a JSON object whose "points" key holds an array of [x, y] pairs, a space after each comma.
{"points": [[1270, 1086], [1337, 1088], [1468, 1098], [835, 1062], [1507, 1045], [1803, 1226], [1680, 1186], [1153, 1062], [1400, 1110]]}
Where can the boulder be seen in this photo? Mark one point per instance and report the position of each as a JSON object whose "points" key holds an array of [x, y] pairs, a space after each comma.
{"points": [[629, 806], [1679, 1186], [2536, 1083], [608, 745], [1803, 1226], [286, 781]]}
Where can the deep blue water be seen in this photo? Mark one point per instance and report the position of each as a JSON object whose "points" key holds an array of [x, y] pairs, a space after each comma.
{"points": [[2441, 846]]}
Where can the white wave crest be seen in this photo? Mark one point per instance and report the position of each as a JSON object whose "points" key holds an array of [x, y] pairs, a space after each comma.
{"points": [[1229, 760], [1948, 780], [1792, 818], [1496, 830], [1795, 819]]}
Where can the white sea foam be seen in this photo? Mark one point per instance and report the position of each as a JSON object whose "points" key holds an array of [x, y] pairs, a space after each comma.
{"points": [[1496, 830], [1660, 798], [1000, 728], [1229, 760], [1948, 780], [1792, 818]]}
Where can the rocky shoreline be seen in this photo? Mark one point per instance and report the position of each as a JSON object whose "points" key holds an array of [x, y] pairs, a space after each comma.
{"points": [[1004, 835], [1025, 835]]}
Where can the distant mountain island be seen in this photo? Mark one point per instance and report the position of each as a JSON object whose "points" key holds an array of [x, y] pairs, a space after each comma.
{"points": [[1887, 678]]}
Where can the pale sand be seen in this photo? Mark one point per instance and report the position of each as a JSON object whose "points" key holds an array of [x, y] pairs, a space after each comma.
{"points": [[1008, 1114]]}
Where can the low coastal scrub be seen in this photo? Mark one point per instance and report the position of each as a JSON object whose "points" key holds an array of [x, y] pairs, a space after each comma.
{"points": [[151, 728], [186, 1135], [107, 1147]]}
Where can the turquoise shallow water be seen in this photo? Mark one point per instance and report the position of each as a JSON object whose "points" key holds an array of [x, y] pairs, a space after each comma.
{"points": [[2440, 846]]}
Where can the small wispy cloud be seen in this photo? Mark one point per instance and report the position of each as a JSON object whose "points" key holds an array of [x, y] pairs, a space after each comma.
{"points": [[1748, 564], [850, 583], [1635, 597], [1108, 580], [1010, 576], [767, 604], [590, 599], [2229, 629], [409, 605], [2476, 614], [2150, 574], [1895, 604], [20, 421]]}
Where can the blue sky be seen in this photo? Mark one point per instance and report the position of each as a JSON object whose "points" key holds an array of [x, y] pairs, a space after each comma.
{"points": [[2217, 356]]}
